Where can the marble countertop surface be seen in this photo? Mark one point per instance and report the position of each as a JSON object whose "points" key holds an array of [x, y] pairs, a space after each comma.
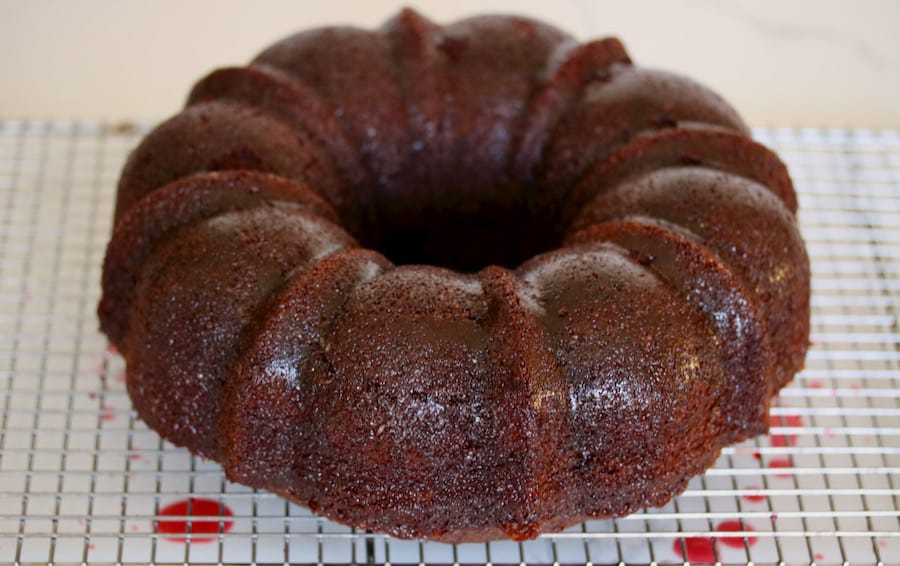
{"points": [[800, 63]]}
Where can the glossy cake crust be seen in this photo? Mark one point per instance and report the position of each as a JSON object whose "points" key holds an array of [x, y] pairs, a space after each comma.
{"points": [[459, 282]]}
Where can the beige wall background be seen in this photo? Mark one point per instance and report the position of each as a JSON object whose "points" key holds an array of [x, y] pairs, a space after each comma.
{"points": [[797, 63]]}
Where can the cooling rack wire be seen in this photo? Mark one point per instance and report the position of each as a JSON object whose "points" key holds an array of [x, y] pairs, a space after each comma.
{"points": [[82, 481]]}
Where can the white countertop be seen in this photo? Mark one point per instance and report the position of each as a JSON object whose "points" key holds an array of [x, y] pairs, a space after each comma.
{"points": [[803, 63]]}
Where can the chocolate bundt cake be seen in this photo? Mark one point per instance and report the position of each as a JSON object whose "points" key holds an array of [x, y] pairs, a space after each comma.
{"points": [[458, 283]]}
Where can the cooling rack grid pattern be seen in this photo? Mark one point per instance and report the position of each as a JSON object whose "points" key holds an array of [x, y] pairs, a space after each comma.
{"points": [[82, 481]]}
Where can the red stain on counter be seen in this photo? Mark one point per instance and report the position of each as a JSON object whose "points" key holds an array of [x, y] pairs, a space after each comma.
{"points": [[703, 549], [753, 497], [781, 463], [784, 440], [180, 524], [698, 549], [107, 413], [736, 541]]}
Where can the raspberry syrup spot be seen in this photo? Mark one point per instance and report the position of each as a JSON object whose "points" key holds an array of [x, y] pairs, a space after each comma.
{"points": [[734, 541], [815, 385], [753, 497], [698, 549], [785, 440], [820, 556], [107, 413], [177, 527], [781, 463]]}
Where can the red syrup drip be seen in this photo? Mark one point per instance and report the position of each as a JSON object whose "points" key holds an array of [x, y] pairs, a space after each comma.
{"points": [[781, 463], [702, 549], [698, 549], [753, 497], [194, 508], [734, 541], [785, 440]]}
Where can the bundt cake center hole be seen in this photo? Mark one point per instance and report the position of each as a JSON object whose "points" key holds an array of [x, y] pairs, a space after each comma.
{"points": [[463, 240]]}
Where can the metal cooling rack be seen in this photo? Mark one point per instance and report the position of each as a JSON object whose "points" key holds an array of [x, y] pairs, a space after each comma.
{"points": [[82, 481]]}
